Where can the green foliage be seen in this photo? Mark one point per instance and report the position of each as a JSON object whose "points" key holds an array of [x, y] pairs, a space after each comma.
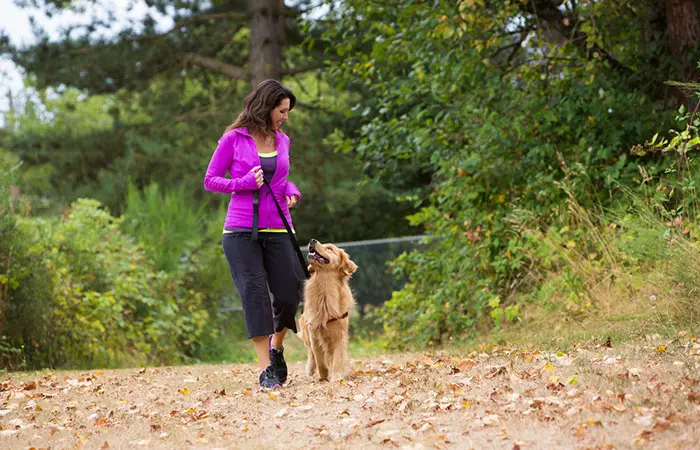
{"points": [[112, 307], [164, 224], [500, 118], [25, 288], [103, 304]]}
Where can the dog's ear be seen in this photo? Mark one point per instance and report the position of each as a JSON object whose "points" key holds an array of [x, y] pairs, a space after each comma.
{"points": [[347, 266]]}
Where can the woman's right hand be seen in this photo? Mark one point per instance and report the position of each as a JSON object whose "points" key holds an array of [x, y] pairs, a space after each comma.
{"points": [[257, 170]]}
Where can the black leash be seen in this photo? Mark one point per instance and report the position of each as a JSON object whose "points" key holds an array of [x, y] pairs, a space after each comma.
{"points": [[254, 231]]}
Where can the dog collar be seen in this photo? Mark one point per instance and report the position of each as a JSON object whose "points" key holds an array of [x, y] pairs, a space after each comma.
{"points": [[338, 318]]}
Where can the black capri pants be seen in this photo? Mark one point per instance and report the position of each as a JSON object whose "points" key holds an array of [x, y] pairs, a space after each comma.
{"points": [[259, 268]]}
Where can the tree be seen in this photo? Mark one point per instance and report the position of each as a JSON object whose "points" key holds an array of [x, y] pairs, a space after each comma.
{"points": [[683, 25], [159, 99], [508, 108], [211, 36]]}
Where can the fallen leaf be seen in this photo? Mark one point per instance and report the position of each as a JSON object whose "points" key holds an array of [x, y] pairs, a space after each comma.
{"points": [[661, 425], [495, 371], [619, 407], [374, 422], [184, 391], [466, 365]]}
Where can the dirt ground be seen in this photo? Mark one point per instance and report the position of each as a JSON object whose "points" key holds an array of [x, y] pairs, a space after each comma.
{"points": [[591, 397]]}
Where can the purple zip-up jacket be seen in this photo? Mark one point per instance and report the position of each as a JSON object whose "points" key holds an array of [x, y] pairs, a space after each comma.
{"points": [[237, 155]]}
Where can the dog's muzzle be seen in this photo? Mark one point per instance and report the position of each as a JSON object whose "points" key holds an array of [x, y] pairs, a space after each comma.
{"points": [[315, 256]]}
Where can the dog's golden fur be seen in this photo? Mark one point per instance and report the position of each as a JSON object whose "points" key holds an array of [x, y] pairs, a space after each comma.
{"points": [[324, 325]]}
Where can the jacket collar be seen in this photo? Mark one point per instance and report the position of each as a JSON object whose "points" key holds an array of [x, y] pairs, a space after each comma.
{"points": [[244, 132]]}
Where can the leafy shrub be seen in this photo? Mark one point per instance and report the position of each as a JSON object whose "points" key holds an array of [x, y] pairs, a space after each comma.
{"points": [[107, 305], [488, 137], [25, 286]]}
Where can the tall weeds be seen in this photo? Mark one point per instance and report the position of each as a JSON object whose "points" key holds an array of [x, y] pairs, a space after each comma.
{"points": [[635, 261]]}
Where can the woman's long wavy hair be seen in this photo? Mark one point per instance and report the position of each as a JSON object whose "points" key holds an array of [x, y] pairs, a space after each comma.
{"points": [[257, 107]]}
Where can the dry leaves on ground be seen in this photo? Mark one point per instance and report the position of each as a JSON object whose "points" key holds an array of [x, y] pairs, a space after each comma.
{"points": [[595, 397]]}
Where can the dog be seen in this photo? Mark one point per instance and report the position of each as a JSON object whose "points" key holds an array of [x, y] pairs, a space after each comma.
{"points": [[324, 324]]}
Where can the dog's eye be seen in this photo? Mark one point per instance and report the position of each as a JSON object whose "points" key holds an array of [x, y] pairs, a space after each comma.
{"points": [[329, 248]]}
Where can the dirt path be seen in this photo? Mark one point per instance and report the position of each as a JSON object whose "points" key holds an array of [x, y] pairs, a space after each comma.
{"points": [[645, 396]]}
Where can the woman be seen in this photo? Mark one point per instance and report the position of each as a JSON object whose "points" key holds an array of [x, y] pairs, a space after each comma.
{"points": [[261, 258]]}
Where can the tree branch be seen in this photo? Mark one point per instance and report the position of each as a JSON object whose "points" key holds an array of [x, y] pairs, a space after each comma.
{"points": [[204, 18], [213, 64], [298, 70], [559, 23]]}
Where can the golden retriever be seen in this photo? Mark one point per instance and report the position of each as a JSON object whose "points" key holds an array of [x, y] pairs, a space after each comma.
{"points": [[328, 301]]}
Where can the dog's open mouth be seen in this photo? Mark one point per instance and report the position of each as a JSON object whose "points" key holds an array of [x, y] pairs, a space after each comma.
{"points": [[315, 256]]}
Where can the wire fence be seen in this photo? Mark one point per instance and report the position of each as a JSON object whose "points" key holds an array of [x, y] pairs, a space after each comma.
{"points": [[373, 283]]}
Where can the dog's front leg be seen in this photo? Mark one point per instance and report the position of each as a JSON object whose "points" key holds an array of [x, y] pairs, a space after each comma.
{"points": [[319, 357], [310, 362], [340, 360]]}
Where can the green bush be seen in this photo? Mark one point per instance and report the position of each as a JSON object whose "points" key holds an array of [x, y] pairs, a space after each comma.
{"points": [[488, 137], [111, 307], [25, 285], [185, 242]]}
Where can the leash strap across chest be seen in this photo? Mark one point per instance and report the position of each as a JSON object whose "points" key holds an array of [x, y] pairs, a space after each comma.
{"points": [[254, 231], [337, 318]]}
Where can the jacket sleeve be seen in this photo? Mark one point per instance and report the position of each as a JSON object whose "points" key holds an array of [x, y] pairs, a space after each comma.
{"points": [[215, 180], [291, 189]]}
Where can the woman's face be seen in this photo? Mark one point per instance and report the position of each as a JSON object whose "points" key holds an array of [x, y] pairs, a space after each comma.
{"points": [[280, 114]]}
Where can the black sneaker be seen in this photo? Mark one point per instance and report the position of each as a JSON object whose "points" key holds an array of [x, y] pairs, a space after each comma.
{"points": [[278, 364], [269, 380]]}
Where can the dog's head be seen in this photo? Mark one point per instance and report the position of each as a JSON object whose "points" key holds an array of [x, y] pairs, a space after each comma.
{"points": [[328, 257]]}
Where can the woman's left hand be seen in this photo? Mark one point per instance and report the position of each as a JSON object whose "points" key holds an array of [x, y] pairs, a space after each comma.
{"points": [[291, 201]]}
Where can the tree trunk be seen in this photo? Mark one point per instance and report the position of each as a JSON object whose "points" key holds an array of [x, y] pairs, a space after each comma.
{"points": [[266, 39], [683, 28]]}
